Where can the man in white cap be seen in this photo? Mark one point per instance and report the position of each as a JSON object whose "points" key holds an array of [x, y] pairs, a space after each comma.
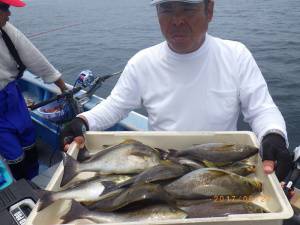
{"points": [[193, 82], [17, 135]]}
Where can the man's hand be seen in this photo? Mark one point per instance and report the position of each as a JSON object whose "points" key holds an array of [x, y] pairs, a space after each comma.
{"points": [[61, 84], [275, 150], [73, 131]]}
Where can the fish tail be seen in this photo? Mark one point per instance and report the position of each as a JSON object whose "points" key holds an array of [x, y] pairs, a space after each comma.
{"points": [[40, 192], [70, 169], [46, 199], [173, 153], [83, 155], [77, 211], [109, 186]]}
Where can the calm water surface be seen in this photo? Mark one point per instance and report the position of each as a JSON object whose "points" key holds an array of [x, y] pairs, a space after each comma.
{"points": [[102, 35]]}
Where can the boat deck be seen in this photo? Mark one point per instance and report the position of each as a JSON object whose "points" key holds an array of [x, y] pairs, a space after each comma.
{"points": [[49, 160]]}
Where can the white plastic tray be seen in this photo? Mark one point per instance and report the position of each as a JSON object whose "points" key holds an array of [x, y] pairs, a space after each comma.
{"points": [[272, 196]]}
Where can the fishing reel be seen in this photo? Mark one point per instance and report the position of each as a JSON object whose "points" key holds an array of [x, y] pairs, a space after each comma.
{"points": [[85, 79], [294, 176], [89, 83]]}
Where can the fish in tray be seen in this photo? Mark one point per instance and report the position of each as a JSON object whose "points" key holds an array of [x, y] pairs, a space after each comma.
{"points": [[213, 208], [146, 214], [240, 168], [162, 172], [115, 178], [219, 154], [134, 197], [192, 164], [84, 154], [129, 157], [210, 182], [85, 191]]}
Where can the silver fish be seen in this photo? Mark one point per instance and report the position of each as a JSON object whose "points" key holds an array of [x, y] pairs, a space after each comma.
{"points": [[210, 182], [134, 196], [212, 208], [217, 152], [86, 191], [162, 172], [192, 164], [117, 179], [126, 158], [240, 168], [147, 214]]}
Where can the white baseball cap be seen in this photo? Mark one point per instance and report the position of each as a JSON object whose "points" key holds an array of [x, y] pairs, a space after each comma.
{"points": [[155, 2]]}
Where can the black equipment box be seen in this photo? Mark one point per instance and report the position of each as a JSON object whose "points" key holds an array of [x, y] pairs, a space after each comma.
{"points": [[16, 202]]}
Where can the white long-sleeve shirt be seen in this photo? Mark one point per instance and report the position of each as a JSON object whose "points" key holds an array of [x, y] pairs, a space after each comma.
{"points": [[201, 91], [32, 58]]}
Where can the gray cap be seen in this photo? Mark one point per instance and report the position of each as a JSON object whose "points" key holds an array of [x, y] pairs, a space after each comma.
{"points": [[155, 2]]}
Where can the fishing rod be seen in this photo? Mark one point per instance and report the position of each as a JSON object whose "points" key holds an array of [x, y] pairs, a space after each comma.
{"points": [[86, 82], [55, 98], [36, 35]]}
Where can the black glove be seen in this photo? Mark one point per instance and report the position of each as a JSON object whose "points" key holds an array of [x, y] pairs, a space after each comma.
{"points": [[274, 149], [73, 129]]}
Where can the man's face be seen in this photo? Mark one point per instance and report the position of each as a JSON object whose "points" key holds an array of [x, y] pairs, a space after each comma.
{"points": [[184, 25], [4, 14]]}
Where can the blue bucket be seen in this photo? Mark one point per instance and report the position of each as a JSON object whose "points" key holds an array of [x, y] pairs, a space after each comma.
{"points": [[6, 178], [57, 111]]}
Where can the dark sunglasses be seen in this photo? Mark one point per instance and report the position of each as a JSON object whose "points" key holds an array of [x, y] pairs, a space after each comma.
{"points": [[4, 7]]}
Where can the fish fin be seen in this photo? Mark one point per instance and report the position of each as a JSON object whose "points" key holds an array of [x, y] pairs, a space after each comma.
{"points": [[139, 153], [126, 183], [108, 186], [214, 164], [190, 164], [70, 169], [208, 163], [131, 141], [228, 145], [45, 200], [168, 162], [173, 152], [106, 146], [83, 155], [77, 211], [163, 153]]}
